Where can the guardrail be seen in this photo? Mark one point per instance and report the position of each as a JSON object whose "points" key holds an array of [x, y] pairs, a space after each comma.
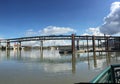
{"points": [[109, 75]]}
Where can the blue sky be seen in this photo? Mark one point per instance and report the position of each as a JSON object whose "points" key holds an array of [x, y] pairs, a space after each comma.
{"points": [[20, 18]]}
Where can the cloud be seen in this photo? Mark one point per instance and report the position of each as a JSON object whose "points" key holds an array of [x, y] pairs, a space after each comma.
{"points": [[54, 30], [112, 20], [30, 32], [93, 31], [50, 30], [111, 25]]}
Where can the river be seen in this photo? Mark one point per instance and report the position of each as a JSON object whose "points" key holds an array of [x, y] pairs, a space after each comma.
{"points": [[50, 67]]}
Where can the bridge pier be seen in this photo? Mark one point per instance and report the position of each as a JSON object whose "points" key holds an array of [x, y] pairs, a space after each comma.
{"points": [[94, 49], [77, 44], [87, 45], [107, 43], [93, 42], [101, 46], [73, 44], [8, 45], [19, 46], [73, 54]]}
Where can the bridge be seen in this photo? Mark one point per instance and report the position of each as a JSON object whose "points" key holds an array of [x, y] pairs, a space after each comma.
{"points": [[73, 38], [57, 37]]}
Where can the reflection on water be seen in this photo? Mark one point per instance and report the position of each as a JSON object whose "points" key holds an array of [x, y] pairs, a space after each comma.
{"points": [[50, 67], [56, 67]]}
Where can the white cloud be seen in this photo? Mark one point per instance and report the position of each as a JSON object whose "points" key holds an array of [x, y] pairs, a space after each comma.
{"points": [[30, 32], [112, 20], [50, 30], [93, 31], [54, 30], [111, 25]]}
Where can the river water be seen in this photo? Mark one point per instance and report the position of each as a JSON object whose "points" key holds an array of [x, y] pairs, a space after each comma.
{"points": [[50, 67]]}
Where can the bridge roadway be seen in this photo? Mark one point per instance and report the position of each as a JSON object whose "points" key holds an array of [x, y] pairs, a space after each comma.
{"points": [[56, 37]]}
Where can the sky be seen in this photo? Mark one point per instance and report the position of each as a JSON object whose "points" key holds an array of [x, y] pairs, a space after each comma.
{"points": [[21, 18]]}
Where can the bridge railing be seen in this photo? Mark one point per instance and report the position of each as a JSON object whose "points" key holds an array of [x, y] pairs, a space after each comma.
{"points": [[110, 75]]}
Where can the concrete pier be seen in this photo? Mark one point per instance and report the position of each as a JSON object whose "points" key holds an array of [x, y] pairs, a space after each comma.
{"points": [[93, 42], [73, 44]]}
